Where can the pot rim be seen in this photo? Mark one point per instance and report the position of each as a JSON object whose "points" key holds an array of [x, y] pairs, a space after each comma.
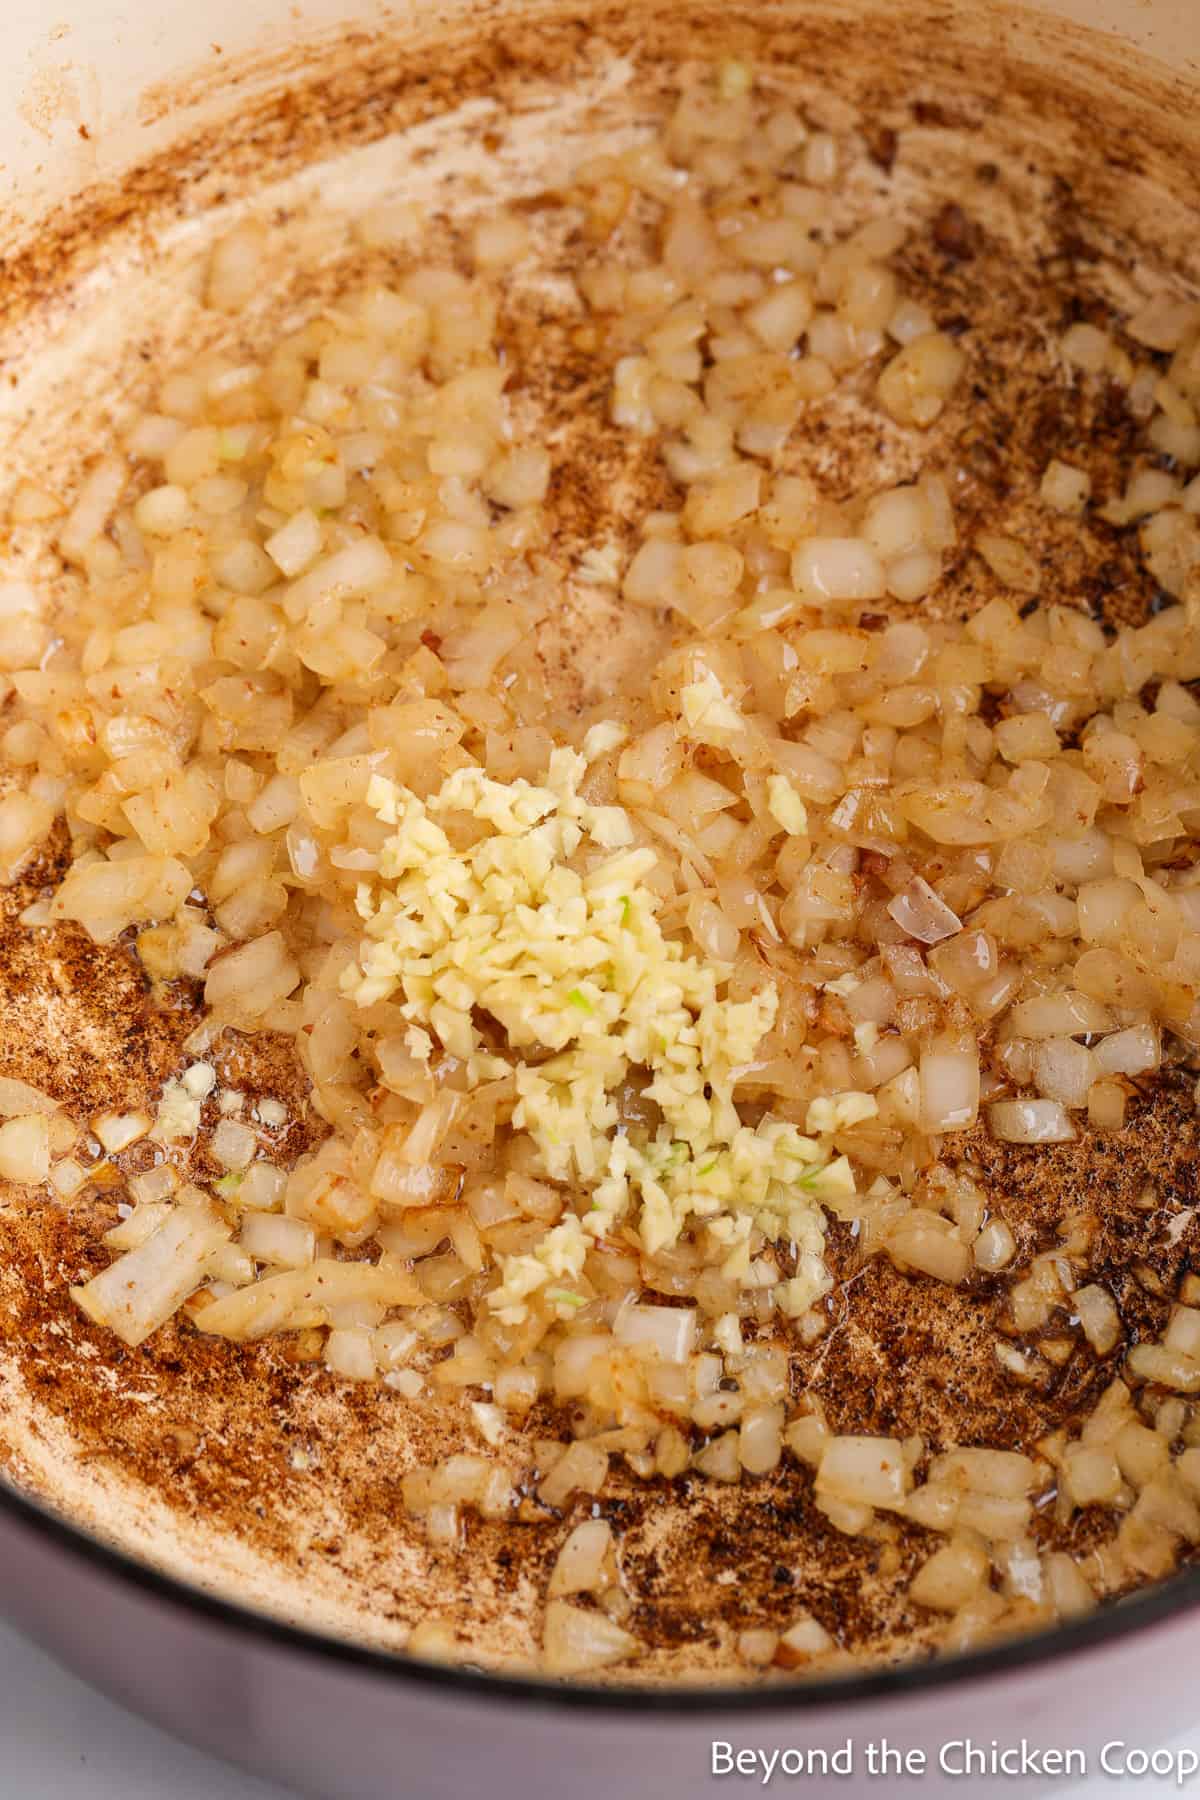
{"points": [[1125, 1618]]}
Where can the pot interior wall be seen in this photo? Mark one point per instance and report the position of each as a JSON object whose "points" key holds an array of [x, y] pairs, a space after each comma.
{"points": [[138, 84]]}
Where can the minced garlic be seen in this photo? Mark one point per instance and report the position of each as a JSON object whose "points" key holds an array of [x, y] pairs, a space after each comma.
{"points": [[840, 1111], [546, 923], [786, 807], [709, 714], [600, 566], [181, 1104]]}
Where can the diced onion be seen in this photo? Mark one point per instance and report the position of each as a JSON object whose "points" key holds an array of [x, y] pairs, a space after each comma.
{"points": [[1030, 1122], [578, 1642], [923, 914], [949, 1089], [581, 1561], [670, 1330], [139, 1292], [25, 1149], [867, 1470]]}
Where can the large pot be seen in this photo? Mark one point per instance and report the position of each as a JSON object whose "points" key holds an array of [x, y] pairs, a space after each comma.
{"points": [[122, 137]]}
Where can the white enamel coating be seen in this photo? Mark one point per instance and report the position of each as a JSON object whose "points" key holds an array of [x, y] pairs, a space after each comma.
{"points": [[102, 63]]}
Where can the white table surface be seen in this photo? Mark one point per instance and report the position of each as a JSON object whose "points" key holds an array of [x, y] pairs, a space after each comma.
{"points": [[61, 1741]]}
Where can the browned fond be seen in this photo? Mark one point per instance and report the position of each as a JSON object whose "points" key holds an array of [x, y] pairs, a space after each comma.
{"points": [[268, 1479]]}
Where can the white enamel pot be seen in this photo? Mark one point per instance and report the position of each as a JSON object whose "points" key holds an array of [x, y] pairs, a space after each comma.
{"points": [[109, 112]]}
